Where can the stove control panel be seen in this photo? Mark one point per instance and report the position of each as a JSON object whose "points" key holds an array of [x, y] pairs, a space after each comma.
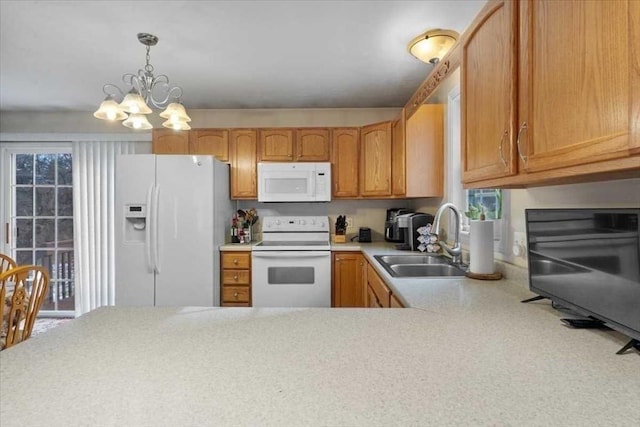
{"points": [[295, 223]]}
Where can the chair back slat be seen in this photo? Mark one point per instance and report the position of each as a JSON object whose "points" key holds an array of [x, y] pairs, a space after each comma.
{"points": [[6, 263], [31, 283]]}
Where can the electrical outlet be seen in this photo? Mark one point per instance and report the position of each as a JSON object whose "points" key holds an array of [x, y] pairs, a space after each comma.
{"points": [[520, 244], [350, 223]]}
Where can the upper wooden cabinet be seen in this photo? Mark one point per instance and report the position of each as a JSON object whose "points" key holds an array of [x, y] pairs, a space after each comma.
{"points": [[488, 88], [345, 153], [213, 142], [312, 145], [168, 141], [275, 145], [424, 147], [243, 156], [545, 101], [375, 160], [210, 141]]}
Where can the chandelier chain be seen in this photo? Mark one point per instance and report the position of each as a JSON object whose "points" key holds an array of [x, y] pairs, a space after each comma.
{"points": [[148, 68]]}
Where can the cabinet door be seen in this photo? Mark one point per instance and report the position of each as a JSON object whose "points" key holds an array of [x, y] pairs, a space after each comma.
{"points": [[395, 302], [275, 145], [348, 279], [376, 284], [398, 157], [242, 150], [577, 82], [372, 299], [210, 141], [375, 160], [168, 141], [489, 94], [425, 152], [312, 145], [345, 153]]}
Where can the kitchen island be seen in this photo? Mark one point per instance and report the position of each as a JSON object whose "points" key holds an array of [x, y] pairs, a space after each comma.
{"points": [[468, 353]]}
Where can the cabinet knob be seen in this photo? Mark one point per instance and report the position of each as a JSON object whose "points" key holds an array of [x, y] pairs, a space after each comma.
{"points": [[235, 295], [337, 259], [235, 277], [235, 260]]}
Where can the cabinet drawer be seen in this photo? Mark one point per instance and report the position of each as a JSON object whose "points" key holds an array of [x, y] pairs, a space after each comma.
{"points": [[235, 304], [231, 260], [235, 293], [377, 285], [236, 277]]}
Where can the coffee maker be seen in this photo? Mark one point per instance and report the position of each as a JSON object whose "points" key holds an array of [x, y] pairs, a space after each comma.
{"points": [[409, 225], [392, 232]]}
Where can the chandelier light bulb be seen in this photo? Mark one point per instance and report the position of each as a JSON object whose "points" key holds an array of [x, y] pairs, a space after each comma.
{"points": [[146, 90], [138, 122], [110, 110]]}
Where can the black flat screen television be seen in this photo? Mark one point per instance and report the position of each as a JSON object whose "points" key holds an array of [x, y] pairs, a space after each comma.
{"points": [[589, 261]]}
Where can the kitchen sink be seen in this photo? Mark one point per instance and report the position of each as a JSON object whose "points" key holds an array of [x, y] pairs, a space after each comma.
{"points": [[419, 265]]}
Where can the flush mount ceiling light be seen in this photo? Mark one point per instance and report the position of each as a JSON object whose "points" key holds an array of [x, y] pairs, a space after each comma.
{"points": [[145, 89], [432, 45]]}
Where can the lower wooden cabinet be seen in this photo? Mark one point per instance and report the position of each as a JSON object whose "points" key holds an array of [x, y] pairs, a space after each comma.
{"points": [[235, 279], [355, 283], [395, 302], [348, 288], [378, 294]]}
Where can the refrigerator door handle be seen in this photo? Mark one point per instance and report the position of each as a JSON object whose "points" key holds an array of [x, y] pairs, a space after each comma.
{"points": [[147, 232], [156, 242]]}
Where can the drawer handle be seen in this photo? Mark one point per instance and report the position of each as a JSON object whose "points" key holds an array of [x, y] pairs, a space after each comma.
{"points": [[235, 277], [235, 260], [235, 295]]}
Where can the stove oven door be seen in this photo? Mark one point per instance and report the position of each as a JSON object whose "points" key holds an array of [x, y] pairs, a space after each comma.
{"points": [[291, 278]]}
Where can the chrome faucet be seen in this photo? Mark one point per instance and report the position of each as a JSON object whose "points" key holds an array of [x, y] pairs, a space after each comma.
{"points": [[456, 250]]}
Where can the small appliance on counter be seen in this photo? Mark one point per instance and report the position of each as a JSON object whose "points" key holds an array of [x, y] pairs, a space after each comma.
{"points": [[364, 235], [392, 232], [408, 225]]}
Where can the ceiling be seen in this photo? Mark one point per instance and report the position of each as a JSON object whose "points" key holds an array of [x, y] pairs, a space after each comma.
{"points": [[57, 55]]}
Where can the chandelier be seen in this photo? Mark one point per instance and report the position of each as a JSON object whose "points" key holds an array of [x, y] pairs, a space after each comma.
{"points": [[145, 90]]}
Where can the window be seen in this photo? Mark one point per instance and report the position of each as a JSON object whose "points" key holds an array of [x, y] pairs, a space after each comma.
{"points": [[39, 213]]}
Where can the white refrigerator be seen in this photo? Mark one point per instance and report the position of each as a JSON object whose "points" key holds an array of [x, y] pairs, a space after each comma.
{"points": [[171, 215]]}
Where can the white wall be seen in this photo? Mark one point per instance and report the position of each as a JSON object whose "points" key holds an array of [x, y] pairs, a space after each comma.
{"points": [[606, 194], [83, 121]]}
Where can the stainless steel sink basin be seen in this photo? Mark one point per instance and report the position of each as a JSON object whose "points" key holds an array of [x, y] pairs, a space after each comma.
{"points": [[426, 270], [419, 265], [412, 259]]}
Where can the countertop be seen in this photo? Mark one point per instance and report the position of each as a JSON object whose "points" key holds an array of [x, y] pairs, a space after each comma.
{"points": [[466, 353]]}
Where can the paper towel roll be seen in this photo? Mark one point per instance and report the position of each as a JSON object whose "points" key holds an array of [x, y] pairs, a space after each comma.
{"points": [[481, 247]]}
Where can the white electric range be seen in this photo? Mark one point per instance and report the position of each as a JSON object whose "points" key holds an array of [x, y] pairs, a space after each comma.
{"points": [[291, 267]]}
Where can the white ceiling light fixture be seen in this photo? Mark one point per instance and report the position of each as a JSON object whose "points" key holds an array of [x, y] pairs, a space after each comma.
{"points": [[432, 45], [146, 89]]}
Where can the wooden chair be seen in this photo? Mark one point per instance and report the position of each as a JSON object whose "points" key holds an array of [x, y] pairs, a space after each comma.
{"points": [[19, 308], [6, 263]]}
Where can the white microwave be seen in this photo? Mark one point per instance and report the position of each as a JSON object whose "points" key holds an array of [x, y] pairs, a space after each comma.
{"points": [[294, 182]]}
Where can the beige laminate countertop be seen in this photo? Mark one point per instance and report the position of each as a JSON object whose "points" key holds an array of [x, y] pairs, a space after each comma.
{"points": [[468, 353]]}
